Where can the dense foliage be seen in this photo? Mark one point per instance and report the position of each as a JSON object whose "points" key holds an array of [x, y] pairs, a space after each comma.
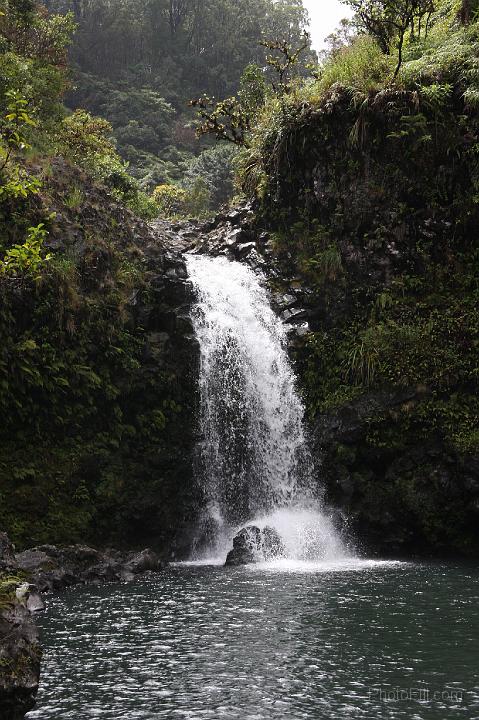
{"points": [[92, 420], [138, 64]]}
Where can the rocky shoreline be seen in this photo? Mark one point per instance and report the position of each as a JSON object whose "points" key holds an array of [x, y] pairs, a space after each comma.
{"points": [[24, 577]]}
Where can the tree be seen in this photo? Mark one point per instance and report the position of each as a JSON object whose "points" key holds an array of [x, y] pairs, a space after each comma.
{"points": [[467, 11], [233, 118], [215, 166], [339, 39], [26, 29], [388, 21], [284, 60], [127, 51], [226, 120]]}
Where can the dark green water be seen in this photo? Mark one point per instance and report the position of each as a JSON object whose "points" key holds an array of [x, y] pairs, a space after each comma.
{"points": [[362, 640]]}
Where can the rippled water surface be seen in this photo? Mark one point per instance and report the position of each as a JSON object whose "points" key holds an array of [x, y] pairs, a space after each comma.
{"points": [[358, 640]]}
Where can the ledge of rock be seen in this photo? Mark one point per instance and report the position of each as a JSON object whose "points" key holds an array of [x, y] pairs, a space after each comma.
{"points": [[20, 656], [236, 235], [52, 568]]}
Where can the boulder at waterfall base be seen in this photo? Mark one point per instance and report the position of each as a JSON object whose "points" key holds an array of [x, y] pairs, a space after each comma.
{"points": [[252, 545]]}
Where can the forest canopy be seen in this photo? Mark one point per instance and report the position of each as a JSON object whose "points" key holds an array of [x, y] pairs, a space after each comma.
{"points": [[138, 64]]}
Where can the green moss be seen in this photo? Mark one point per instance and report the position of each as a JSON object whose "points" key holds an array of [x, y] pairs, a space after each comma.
{"points": [[8, 586]]}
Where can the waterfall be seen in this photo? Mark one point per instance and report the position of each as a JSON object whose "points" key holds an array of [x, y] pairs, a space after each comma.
{"points": [[254, 463]]}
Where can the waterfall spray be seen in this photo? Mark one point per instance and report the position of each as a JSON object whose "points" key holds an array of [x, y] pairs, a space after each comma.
{"points": [[254, 462]]}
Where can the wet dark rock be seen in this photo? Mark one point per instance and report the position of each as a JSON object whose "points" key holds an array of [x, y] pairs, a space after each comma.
{"points": [[53, 569], [173, 273], [252, 545], [20, 651], [158, 338], [20, 656], [238, 215], [242, 251], [393, 495], [184, 324], [296, 332], [284, 301], [345, 483], [233, 237], [246, 547], [255, 260], [144, 561], [294, 316], [272, 544], [29, 596], [349, 423]]}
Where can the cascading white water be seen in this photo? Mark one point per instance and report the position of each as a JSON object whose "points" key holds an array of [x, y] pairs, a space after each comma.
{"points": [[254, 461]]}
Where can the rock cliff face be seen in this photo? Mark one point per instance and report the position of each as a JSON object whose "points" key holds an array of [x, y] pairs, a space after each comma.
{"points": [[20, 651], [375, 222], [20, 656], [100, 364], [403, 486], [98, 391]]}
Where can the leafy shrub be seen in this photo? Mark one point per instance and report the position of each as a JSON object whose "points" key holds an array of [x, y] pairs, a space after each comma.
{"points": [[170, 199], [19, 119], [86, 141], [174, 201], [27, 260], [198, 198]]}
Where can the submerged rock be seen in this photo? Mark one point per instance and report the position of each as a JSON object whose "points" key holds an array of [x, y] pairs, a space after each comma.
{"points": [[252, 545]]}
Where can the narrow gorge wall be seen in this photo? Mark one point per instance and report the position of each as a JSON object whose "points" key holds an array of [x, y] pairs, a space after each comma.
{"points": [[98, 381]]}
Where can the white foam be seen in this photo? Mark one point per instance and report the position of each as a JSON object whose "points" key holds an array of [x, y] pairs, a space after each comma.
{"points": [[308, 533], [290, 565]]}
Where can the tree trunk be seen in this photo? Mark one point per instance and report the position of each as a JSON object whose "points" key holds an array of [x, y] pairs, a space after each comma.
{"points": [[400, 47], [468, 8], [77, 9]]}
